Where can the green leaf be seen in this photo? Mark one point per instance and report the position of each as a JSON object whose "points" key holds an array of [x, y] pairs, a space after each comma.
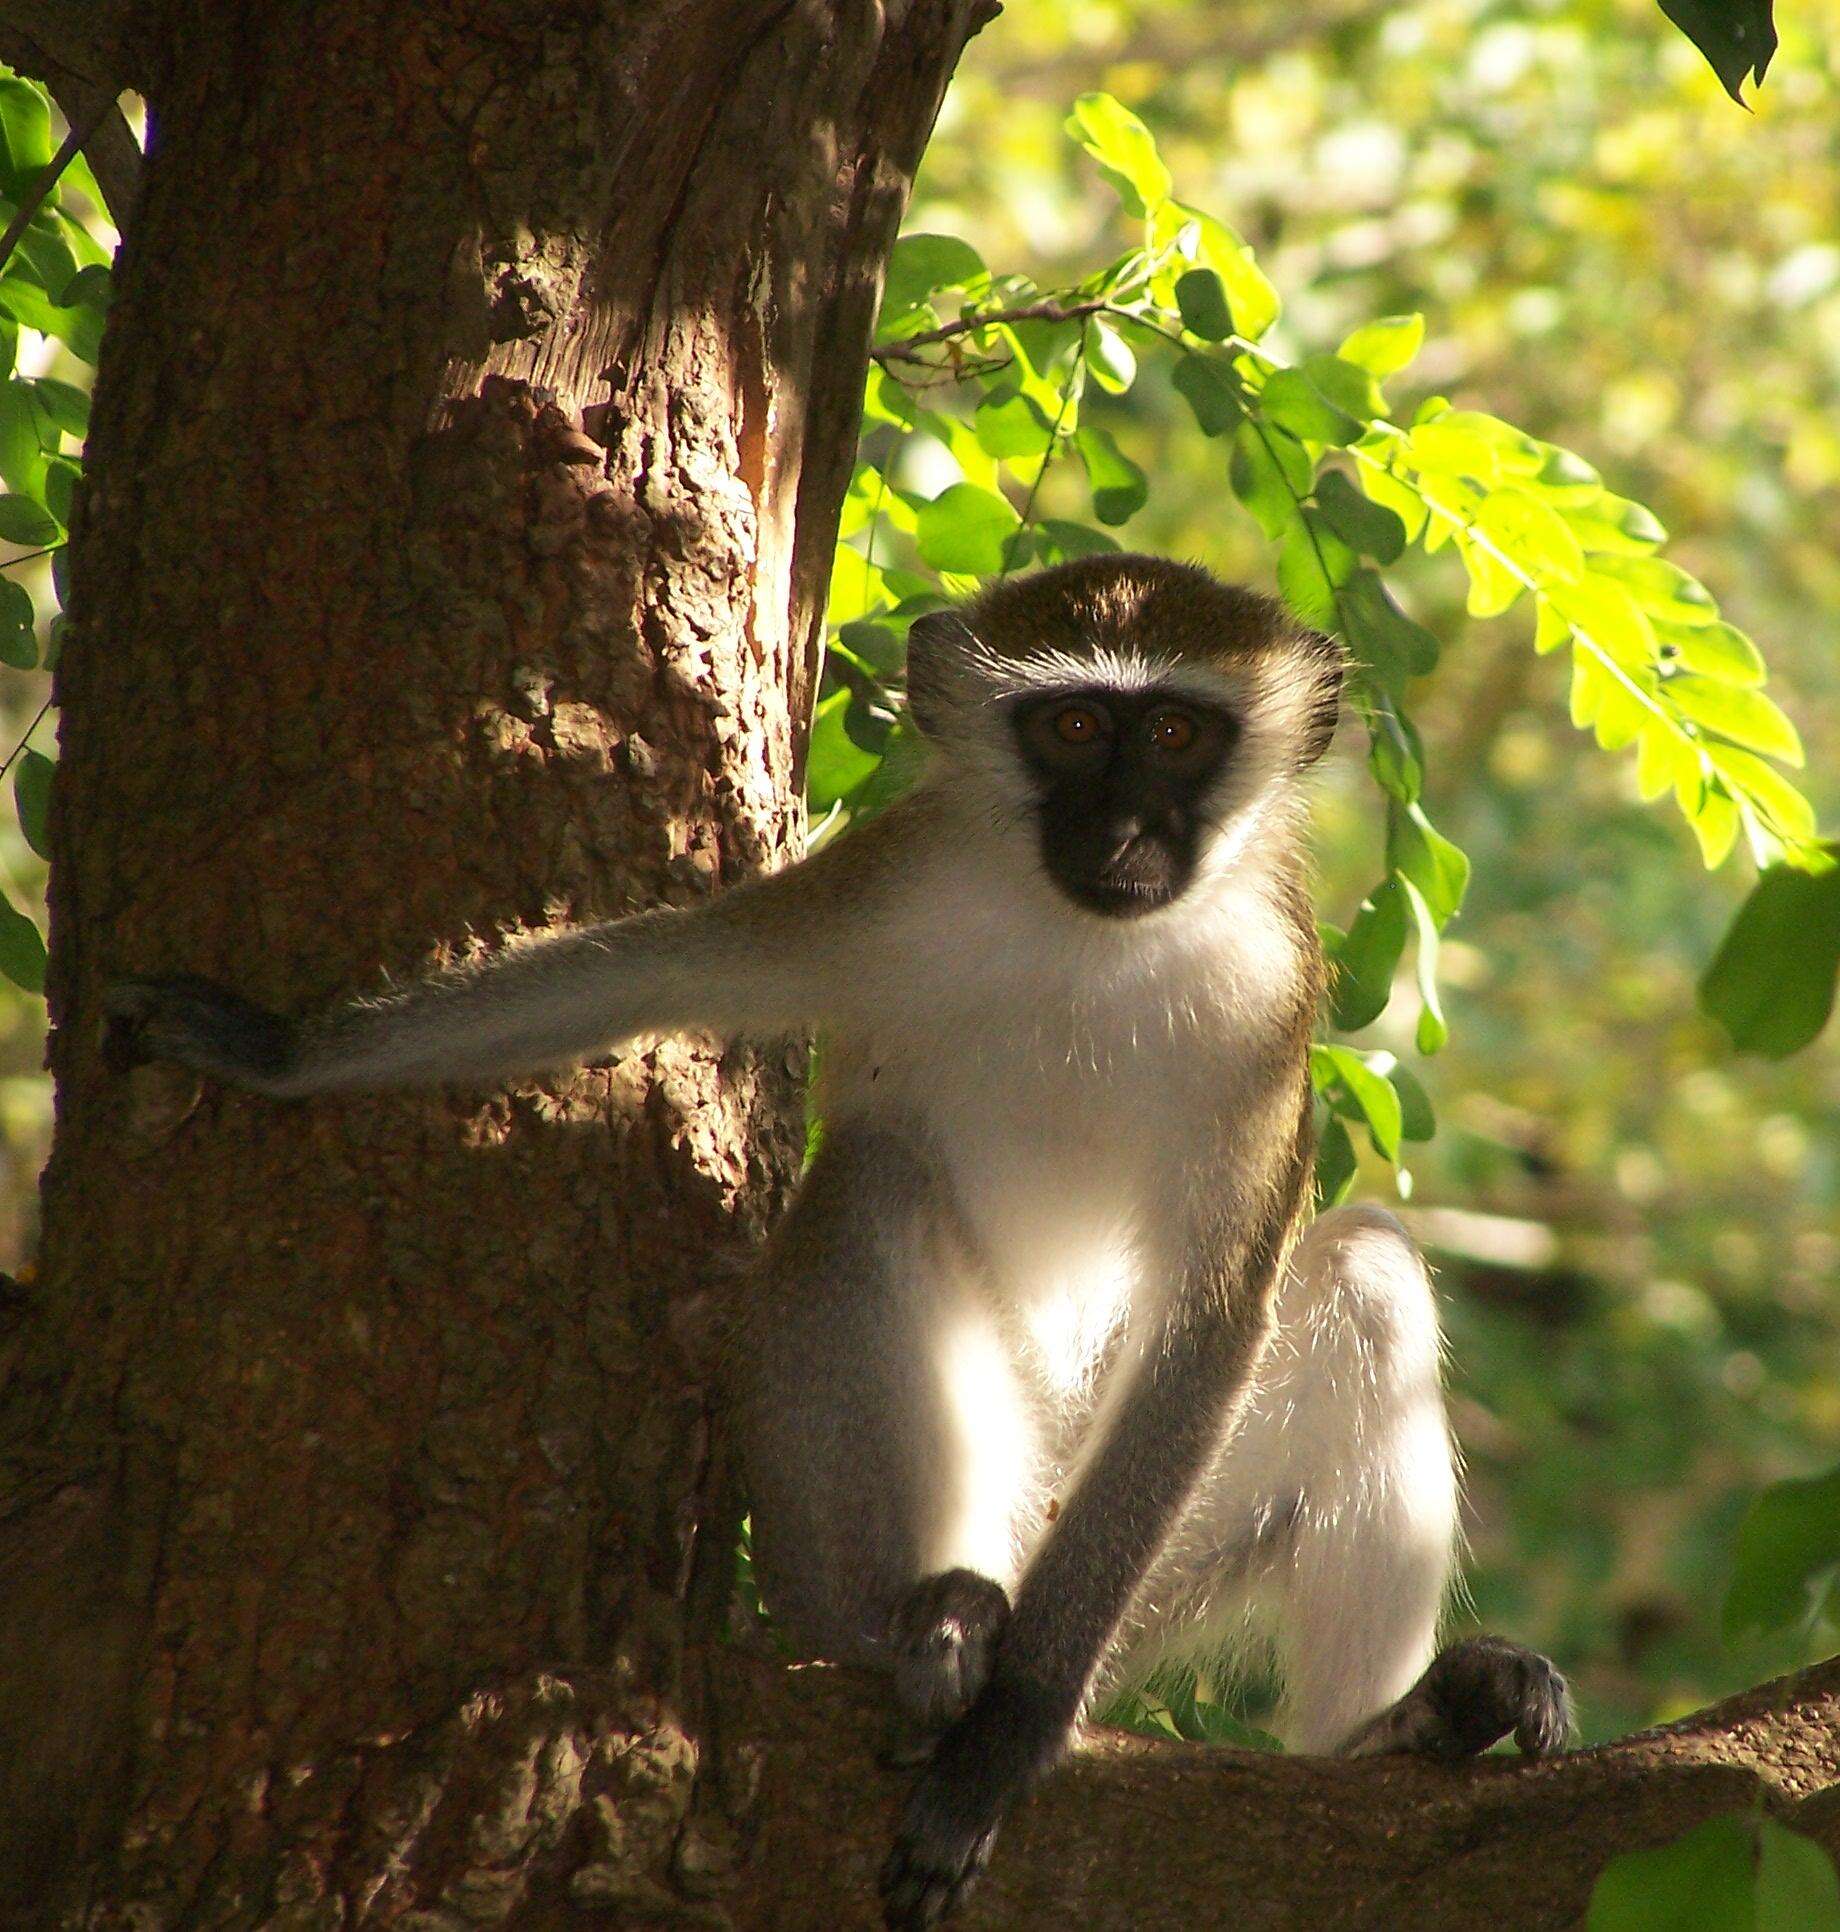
{"points": [[1345, 386], [835, 763], [1293, 402], [1009, 424], [1271, 472], [1211, 392], [1466, 442], [1119, 487], [65, 404], [1124, 149], [1335, 1164], [1530, 533], [1202, 299], [1369, 1089], [1422, 854], [1662, 589], [918, 267], [1250, 296], [25, 135], [1615, 524], [24, 523], [1745, 717], [1771, 983], [964, 529], [1058, 541], [1798, 1889], [1417, 1121], [1109, 356], [1493, 587], [1606, 615], [1368, 957], [22, 951], [1744, 772], [1736, 36], [1433, 1029], [1313, 562], [1393, 763], [1395, 494], [1362, 524], [1382, 638], [1788, 1547], [32, 798], [1385, 346], [1719, 651], [18, 638], [1702, 1882]]}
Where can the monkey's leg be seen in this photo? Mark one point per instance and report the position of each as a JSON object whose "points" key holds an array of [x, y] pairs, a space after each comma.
{"points": [[1337, 1503], [884, 1437]]}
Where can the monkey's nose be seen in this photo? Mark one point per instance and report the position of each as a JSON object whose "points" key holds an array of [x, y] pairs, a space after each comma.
{"points": [[1125, 834]]}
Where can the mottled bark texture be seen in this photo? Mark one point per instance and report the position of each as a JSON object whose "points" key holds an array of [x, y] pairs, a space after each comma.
{"points": [[468, 447]]}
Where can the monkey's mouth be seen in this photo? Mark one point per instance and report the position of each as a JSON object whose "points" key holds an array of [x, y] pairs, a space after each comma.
{"points": [[1137, 882]]}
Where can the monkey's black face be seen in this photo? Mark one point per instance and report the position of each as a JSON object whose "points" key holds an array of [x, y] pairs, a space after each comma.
{"points": [[1124, 778]]}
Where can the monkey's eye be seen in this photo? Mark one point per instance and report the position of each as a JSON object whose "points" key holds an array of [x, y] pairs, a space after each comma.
{"points": [[1078, 724], [1172, 731]]}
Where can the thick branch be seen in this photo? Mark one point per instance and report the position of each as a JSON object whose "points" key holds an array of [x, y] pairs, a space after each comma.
{"points": [[1137, 1836]]}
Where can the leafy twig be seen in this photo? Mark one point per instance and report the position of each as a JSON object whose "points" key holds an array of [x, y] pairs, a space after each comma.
{"points": [[68, 149]]}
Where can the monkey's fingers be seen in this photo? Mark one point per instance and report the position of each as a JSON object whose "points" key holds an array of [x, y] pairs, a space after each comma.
{"points": [[196, 1024], [1473, 1694]]}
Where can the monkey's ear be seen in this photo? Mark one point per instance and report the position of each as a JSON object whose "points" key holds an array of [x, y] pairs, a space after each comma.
{"points": [[1325, 664], [933, 641]]}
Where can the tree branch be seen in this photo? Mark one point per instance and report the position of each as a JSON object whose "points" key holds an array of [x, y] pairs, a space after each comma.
{"points": [[903, 351], [1136, 1835]]}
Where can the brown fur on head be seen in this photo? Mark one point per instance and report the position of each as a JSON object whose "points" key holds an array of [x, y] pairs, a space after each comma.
{"points": [[1132, 622]]}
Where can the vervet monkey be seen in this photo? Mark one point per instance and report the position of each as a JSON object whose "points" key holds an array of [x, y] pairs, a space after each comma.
{"points": [[1044, 1380]]}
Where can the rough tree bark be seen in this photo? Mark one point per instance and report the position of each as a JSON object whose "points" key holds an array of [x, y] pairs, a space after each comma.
{"points": [[467, 451]]}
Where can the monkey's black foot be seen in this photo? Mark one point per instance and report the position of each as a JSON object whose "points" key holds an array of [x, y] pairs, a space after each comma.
{"points": [[1473, 1693], [197, 1024], [943, 1638]]}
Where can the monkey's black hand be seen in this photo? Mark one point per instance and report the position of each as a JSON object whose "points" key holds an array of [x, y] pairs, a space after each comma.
{"points": [[1471, 1694], [197, 1024], [982, 1766]]}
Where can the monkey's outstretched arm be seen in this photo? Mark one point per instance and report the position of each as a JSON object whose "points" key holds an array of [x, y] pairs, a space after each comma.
{"points": [[764, 957], [1187, 1376]]}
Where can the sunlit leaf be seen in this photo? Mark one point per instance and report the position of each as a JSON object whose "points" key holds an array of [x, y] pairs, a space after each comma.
{"points": [[1385, 346], [964, 528], [1371, 1092], [921, 265], [1293, 402], [1124, 148], [1746, 717], [1109, 356], [1313, 562], [1716, 650]]}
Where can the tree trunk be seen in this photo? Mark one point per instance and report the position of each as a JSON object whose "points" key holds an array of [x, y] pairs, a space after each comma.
{"points": [[468, 446], [467, 454]]}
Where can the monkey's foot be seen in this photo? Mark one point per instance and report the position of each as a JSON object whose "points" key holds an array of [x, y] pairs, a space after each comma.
{"points": [[197, 1024], [1473, 1693], [943, 1638]]}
